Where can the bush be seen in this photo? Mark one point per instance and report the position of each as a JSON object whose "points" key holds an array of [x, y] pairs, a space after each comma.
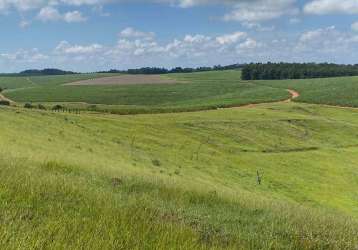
{"points": [[1, 89], [42, 107], [4, 103], [28, 106], [156, 163], [57, 107]]}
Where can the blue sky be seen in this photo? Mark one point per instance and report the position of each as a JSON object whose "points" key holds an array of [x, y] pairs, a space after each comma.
{"points": [[91, 35]]}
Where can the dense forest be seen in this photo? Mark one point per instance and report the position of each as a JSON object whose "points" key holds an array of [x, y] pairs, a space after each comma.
{"points": [[270, 71], [155, 70], [45, 72], [37, 72]]}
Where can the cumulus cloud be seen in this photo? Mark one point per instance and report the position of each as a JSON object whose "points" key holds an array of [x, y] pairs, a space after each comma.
{"points": [[134, 49], [322, 7], [242, 10], [27, 56], [328, 43], [50, 13], [133, 33], [65, 48], [231, 38], [354, 26], [261, 10]]}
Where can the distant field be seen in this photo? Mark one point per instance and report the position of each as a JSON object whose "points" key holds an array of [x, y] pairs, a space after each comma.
{"points": [[180, 181], [340, 91], [125, 80], [12, 83], [198, 91], [131, 94]]}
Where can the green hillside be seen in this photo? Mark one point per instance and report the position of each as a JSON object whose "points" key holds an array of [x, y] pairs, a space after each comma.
{"points": [[276, 175], [180, 181], [341, 91]]}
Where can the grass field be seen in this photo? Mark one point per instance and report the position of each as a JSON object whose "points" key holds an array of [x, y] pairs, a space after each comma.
{"points": [[197, 91], [180, 181], [201, 91], [342, 91]]}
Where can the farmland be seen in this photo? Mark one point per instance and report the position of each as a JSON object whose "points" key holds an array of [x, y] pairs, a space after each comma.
{"points": [[182, 92], [180, 180], [199, 91], [341, 91]]}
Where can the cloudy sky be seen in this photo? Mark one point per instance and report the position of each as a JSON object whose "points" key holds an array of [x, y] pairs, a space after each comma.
{"points": [[90, 35]]}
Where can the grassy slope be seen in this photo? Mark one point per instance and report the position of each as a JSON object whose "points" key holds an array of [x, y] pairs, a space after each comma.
{"points": [[342, 91], [203, 91], [188, 180]]}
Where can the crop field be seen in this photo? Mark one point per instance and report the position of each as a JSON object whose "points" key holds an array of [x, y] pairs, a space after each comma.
{"points": [[274, 175], [341, 91], [199, 91], [133, 94], [125, 80]]}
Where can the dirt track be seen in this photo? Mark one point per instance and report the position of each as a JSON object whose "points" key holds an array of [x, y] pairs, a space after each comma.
{"points": [[3, 98], [294, 95], [125, 80]]}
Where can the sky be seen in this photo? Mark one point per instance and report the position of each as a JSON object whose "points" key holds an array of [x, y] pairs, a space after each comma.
{"points": [[93, 35]]}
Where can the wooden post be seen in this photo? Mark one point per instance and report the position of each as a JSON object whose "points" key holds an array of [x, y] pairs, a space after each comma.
{"points": [[259, 178]]}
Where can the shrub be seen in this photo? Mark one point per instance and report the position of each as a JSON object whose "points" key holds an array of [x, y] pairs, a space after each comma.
{"points": [[28, 106], [1, 89], [156, 163], [57, 107], [92, 107], [4, 103], [42, 107]]}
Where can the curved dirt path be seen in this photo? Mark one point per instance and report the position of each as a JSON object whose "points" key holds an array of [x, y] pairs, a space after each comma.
{"points": [[294, 95], [3, 98]]}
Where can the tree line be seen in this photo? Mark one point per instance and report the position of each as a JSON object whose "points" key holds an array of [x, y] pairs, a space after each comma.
{"points": [[156, 70], [273, 71]]}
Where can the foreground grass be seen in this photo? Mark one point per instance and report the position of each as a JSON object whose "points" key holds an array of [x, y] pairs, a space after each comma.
{"points": [[180, 181]]}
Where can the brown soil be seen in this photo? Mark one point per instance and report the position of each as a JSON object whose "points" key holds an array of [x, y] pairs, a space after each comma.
{"points": [[126, 80], [3, 98], [294, 94]]}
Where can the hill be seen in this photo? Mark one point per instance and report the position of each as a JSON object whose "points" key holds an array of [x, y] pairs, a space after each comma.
{"points": [[182, 181], [277, 175]]}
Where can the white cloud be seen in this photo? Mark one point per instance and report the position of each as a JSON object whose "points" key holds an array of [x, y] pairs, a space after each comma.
{"points": [[50, 13], [328, 41], [74, 17], [248, 44], [323, 7], [132, 33], [242, 10], [24, 24], [231, 38], [24, 56], [134, 49], [354, 26], [65, 48], [261, 10]]}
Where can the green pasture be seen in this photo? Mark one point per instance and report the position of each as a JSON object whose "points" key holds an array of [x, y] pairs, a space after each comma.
{"points": [[180, 181]]}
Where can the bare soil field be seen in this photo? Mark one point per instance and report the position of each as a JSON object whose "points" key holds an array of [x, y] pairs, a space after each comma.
{"points": [[126, 80]]}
